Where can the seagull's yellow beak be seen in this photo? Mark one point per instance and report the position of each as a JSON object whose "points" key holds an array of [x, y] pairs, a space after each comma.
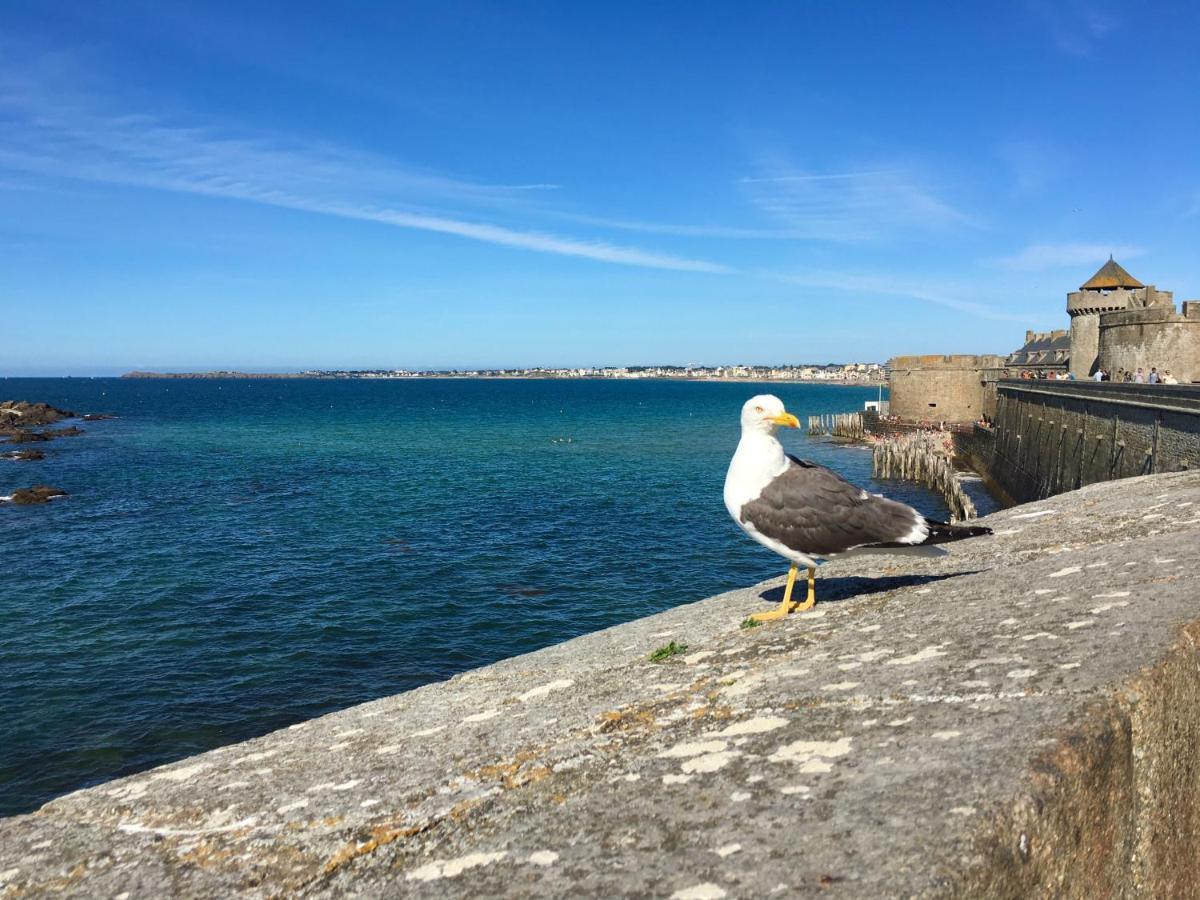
{"points": [[786, 419]]}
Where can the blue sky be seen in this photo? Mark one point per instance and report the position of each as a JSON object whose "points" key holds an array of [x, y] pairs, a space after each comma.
{"points": [[283, 185]]}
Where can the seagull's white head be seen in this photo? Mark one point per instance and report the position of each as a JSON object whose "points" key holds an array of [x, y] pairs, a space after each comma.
{"points": [[764, 413]]}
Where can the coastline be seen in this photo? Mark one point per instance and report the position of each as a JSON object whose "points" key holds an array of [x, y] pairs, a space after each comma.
{"points": [[232, 376]]}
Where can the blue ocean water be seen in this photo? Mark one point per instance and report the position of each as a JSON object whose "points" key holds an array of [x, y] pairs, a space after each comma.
{"points": [[239, 555]]}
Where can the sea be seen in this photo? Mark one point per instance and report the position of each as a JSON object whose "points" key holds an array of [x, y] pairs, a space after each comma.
{"points": [[237, 555]]}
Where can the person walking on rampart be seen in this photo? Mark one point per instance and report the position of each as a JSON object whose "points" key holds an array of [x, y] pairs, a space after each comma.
{"points": [[1140, 376], [1153, 379]]}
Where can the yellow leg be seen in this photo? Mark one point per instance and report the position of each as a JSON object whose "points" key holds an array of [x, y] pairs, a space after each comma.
{"points": [[812, 591], [785, 606]]}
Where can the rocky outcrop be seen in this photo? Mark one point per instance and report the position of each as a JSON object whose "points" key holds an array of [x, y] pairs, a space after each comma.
{"points": [[18, 419], [21, 414], [40, 493], [21, 436], [1020, 718], [24, 455], [17, 436]]}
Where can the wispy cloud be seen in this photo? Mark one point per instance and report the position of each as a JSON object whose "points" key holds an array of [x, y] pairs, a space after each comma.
{"points": [[1076, 26], [931, 291], [680, 230], [872, 203], [1039, 257], [54, 137]]}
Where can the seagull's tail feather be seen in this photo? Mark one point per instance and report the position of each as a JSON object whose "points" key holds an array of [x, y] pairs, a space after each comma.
{"points": [[944, 532]]}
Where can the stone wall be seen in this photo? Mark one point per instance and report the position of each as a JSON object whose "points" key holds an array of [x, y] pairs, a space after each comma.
{"points": [[1050, 437], [1155, 336], [957, 388], [1019, 718]]}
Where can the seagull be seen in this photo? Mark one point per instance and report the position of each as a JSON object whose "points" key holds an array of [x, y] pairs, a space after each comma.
{"points": [[807, 513]]}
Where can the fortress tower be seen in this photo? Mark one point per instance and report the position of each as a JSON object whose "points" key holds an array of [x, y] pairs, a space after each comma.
{"points": [[1110, 290]]}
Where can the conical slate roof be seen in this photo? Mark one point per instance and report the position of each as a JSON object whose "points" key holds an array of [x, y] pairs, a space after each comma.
{"points": [[1110, 276]]}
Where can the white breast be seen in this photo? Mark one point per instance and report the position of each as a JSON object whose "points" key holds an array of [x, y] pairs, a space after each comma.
{"points": [[758, 459]]}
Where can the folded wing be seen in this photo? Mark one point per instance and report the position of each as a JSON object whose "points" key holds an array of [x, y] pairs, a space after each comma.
{"points": [[813, 510]]}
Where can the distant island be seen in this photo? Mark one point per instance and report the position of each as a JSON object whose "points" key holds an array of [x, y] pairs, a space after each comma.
{"points": [[837, 373]]}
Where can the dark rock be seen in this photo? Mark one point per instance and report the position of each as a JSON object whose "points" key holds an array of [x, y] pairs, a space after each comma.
{"points": [[25, 454], [97, 417], [40, 493], [26, 437], [21, 436], [24, 414]]}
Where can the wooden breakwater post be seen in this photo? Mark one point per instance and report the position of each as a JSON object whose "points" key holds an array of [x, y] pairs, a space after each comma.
{"points": [[842, 425], [925, 458]]}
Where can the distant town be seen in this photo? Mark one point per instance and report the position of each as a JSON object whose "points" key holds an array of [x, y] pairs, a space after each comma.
{"points": [[841, 373]]}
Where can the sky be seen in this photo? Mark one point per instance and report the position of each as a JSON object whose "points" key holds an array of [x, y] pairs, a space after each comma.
{"points": [[291, 185]]}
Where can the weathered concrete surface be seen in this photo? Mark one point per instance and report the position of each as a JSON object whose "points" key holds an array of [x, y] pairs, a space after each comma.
{"points": [[1021, 718]]}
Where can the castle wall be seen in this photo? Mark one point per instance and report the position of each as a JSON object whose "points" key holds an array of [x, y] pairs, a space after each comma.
{"points": [[1055, 436], [943, 388], [1155, 336]]}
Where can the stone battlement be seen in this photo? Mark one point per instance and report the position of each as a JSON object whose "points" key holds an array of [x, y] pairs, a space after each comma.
{"points": [[1020, 718], [1152, 314], [954, 362]]}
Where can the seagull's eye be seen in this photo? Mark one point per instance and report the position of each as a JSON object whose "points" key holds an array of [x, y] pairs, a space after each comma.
{"points": [[758, 409]]}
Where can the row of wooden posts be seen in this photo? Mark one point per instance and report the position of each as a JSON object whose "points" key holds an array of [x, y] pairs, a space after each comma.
{"points": [[922, 457], [843, 425]]}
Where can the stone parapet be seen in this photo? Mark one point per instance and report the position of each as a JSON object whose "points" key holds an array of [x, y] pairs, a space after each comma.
{"points": [[1019, 718], [951, 362], [1147, 315], [1090, 303]]}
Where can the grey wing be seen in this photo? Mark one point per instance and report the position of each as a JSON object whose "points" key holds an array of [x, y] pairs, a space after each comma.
{"points": [[813, 510]]}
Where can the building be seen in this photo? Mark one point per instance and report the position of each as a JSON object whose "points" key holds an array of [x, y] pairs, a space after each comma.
{"points": [[1044, 354], [1117, 323]]}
